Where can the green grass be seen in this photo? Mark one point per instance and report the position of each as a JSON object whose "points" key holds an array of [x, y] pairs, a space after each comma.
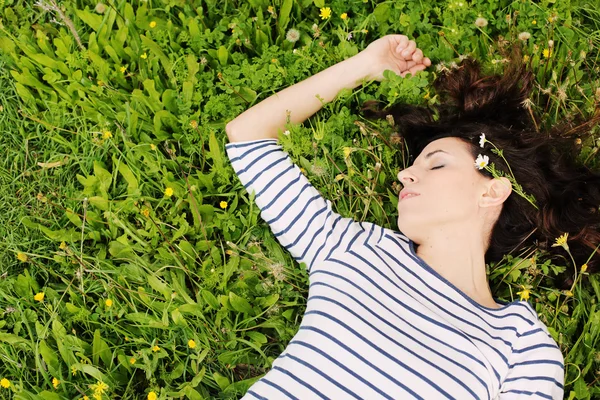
{"points": [[177, 268]]}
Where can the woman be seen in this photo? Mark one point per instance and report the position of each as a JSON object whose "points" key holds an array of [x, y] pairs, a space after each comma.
{"points": [[409, 313]]}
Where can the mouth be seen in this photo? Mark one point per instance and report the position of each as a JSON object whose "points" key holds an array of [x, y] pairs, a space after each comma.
{"points": [[408, 196]]}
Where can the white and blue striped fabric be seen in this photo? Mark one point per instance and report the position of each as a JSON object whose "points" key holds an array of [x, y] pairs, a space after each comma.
{"points": [[379, 322]]}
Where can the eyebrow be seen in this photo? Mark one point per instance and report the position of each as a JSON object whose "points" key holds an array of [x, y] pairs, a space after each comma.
{"points": [[436, 151]]}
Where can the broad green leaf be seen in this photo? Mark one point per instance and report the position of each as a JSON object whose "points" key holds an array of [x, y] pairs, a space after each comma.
{"points": [[50, 358], [210, 299], [100, 350], [284, 14], [240, 304]]}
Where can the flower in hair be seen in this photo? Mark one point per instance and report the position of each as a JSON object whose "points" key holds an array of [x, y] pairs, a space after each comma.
{"points": [[482, 139], [482, 161]]}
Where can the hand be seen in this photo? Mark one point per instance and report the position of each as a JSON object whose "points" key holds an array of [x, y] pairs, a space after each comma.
{"points": [[396, 53]]}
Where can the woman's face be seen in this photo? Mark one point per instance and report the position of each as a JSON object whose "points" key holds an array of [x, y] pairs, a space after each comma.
{"points": [[449, 188]]}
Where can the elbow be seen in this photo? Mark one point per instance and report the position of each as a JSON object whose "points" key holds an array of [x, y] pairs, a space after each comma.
{"points": [[229, 130]]}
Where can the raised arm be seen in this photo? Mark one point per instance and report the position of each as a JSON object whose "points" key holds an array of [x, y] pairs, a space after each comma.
{"points": [[262, 121]]}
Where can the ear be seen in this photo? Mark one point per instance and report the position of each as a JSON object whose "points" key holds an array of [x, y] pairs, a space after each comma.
{"points": [[498, 190]]}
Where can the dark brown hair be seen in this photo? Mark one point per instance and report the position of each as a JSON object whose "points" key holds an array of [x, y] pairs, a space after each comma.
{"points": [[543, 161]]}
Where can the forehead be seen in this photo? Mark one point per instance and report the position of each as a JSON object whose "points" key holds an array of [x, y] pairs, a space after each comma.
{"points": [[452, 145]]}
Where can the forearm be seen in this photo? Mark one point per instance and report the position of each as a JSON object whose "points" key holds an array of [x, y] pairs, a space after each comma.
{"points": [[263, 120]]}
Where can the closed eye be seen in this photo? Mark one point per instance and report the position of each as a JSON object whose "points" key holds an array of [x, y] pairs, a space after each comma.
{"points": [[439, 166]]}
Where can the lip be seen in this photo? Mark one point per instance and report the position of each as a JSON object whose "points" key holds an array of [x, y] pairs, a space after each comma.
{"points": [[406, 192]]}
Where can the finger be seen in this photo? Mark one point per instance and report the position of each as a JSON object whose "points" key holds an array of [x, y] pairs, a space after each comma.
{"points": [[413, 70], [418, 56], [403, 42], [426, 61], [409, 49]]}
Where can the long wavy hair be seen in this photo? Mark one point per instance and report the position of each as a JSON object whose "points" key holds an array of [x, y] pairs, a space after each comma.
{"points": [[543, 161]]}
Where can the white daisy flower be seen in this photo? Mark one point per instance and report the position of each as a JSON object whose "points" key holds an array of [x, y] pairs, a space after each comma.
{"points": [[482, 161], [292, 35], [482, 139], [481, 22]]}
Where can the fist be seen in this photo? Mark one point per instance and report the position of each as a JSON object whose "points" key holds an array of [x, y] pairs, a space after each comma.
{"points": [[396, 53]]}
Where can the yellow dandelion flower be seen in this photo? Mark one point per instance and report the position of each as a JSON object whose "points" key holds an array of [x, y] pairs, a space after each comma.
{"points": [[62, 245], [155, 348], [108, 303], [547, 53], [106, 135], [524, 293], [534, 22], [325, 13], [55, 383], [22, 257], [223, 204], [191, 344], [525, 58], [169, 192], [194, 124], [5, 383], [562, 241], [584, 268], [144, 56], [123, 69], [152, 146], [132, 360], [344, 16], [153, 24], [146, 212], [99, 388], [39, 296], [152, 396], [270, 9], [73, 370]]}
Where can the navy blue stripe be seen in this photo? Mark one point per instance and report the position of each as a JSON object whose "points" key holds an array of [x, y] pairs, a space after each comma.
{"points": [[338, 218], [302, 382], [529, 362], [253, 393], [336, 362], [317, 235], [248, 143], [536, 378], [395, 341], [546, 396], [293, 222], [357, 355], [276, 179], [535, 346], [288, 206], [324, 375], [257, 159], [263, 171], [285, 188], [282, 390], [258, 146]]}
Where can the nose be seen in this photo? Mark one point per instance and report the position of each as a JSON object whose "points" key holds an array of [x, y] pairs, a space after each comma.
{"points": [[406, 176]]}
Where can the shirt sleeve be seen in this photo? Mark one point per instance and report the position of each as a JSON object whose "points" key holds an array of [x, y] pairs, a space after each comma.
{"points": [[536, 369], [302, 221]]}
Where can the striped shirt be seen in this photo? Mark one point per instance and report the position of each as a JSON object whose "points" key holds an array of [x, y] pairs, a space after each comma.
{"points": [[379, 322]]}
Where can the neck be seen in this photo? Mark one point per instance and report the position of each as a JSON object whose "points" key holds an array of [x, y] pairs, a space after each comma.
{"points": [[460, 259]]}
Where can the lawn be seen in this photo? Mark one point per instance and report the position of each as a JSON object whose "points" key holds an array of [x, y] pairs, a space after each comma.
{"points": [[134, 264]]}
